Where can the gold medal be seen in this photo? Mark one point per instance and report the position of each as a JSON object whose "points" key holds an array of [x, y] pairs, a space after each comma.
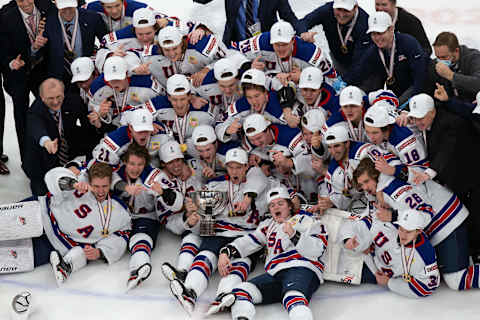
{"points": [[407, 277], [390, 80], [105, 233], [344, 49], [183, 147]]}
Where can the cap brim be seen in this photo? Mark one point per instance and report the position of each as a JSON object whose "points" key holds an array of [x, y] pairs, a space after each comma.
{"points": [[140, 128], [378, 29], [342, 6], [114, 77], [348, 102], [80, 77], [418, 114], [280, 39], [308, 86], [67, 4]]}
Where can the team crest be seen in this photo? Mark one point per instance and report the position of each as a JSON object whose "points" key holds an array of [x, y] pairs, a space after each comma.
{"points": [[193, 122], [134, 97], [13, 253], [192, 60], [22, 220]]}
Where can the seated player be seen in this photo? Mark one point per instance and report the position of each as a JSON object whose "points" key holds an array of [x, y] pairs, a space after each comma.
{"points": [[81, 223], [211, 153], [294, 269], [114, 92], [445, 213], [140, 187], [245, 187], [404, 260]]}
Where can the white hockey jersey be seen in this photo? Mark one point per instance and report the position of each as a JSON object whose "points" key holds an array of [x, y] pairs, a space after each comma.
{"points": [[282, 253], [72, 219], [140, 89], [228, 223]]}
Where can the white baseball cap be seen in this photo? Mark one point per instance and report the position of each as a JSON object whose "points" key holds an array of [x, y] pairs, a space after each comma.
{"points": [[203, 135], [225, 69], [314, 120], [378, 115], [62, 4], [420, 105], [140, 119], [108, 1], [254, 76], [82, 68], [311, 77], [379, 21], [144, 17], [115, 68], [336, 134], [280, 148], [170, 151], [178, 85], [169, 37], [412, 219], [277, 193], [344, 4], [255, 124], [281, 31], [351, 95], [236, 155]]}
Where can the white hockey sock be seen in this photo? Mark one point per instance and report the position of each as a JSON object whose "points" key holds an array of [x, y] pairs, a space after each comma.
{"points": [[238, 274], [246, 295], [76, 258], [465, 279], [297, 306], [140, 246], [188, 251], [203, 266]]}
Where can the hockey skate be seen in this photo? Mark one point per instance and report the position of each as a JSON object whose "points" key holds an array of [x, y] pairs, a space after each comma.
{"points": [[61, 269], [139, 275], [186, 297], [21, 306], [171, 273], [221, 303]]}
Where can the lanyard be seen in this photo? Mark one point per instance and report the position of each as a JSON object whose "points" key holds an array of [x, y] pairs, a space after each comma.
{"points": [[388, 69], [349, 32], [123, 103], [282, 66], [231, 194], [356, 133], [70, 45], [395, 17], [407, 262], [181, 130], [105, 217]]}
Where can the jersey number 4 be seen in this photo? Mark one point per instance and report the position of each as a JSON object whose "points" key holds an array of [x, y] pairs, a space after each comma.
{"points": [[82, 213]]}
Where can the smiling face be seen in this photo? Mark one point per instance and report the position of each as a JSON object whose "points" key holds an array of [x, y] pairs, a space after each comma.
{"points": [[119, 85], [261, 139], [208, 152], [367, 184], [174, 53], [228, 87], [376, 135], [383, 40], [134, 166], [385, 6], [175, 167], [26, 6], [256, 98], [237, 171], [339, 151], [405, 236], [180, 103], [280, 209], [100, 187], [283, 49], [344, 16], [145, 35]]}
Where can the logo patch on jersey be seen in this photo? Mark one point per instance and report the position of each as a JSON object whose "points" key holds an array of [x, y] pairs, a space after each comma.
{"points": [[316, 57], [296, 142], [13, 253], [256, 44], [193, 122], [134, 97], [210, 46], [396, 195], [149, 107], [431, 268], [109, 143], [156, 85], [192, 60], [407, 143]]}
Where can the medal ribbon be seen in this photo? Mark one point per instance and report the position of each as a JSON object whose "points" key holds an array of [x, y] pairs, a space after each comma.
{"points": [[105, 219], [389, 70], [230, 195], [110, 20], [123, 103], [349, 31], [407, 262], [70, 45], [181, 130]]}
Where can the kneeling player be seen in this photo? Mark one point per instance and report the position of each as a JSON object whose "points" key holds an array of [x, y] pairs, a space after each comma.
{"points": [[294, 269]]}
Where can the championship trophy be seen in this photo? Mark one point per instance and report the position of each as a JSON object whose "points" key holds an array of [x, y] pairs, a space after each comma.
{"points": [[209, 204]]}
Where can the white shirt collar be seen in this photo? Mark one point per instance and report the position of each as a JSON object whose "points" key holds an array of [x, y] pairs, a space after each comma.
{"points": [[26, 15]]}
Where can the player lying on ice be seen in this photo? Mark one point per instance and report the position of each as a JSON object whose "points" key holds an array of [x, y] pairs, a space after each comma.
{"points": [[81, 223], [294, 269]]}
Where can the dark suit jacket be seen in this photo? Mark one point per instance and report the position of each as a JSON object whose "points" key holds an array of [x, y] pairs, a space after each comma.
{"points": [[14, 40], [41, 123], [410, 24], [452, 145], [267, 15], [91, 25]]}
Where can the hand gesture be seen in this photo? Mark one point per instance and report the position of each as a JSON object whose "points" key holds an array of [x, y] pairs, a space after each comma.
{"points": [[81, 187], [120, 51], [316, 140], [104, 108], [198, 102], [94, 119], [294, 75], [283, 78], [279, 159], [444, 71], [292, 120], [383, 214], [91, 253], [253, 160], [208, 172], [134, 189], [190, 206], [157, 188], [162, 22], [192, 219], [234, 127], [351, 243], [143, 69], [17, 63], [288, 229], [382, 165], [308, 36], [402, 120], [257, 64], [197, 78], [196, 35], [440, 93], [224, 265], [243, 205], [51, 146], [419, 177], [382, 279], [157, 128]]}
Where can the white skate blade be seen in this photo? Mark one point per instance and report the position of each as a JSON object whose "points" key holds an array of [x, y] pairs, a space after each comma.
{"points": [[215, 307], [55, 261], [177, 289], [168, 272], [142, 274]]}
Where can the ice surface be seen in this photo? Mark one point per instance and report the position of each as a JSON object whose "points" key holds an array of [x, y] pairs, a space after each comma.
{"points": [[97, 291]]}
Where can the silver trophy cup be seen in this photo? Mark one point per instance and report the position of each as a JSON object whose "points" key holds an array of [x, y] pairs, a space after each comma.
{"points": [[209, 204]]}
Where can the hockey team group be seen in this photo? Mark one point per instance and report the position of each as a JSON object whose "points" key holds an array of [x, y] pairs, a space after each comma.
{"points": [[323, 180]]}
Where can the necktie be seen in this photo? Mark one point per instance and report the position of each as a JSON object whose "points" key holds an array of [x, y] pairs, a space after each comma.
{"points": [[249, 21], [31, 24], [63, 146]]}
